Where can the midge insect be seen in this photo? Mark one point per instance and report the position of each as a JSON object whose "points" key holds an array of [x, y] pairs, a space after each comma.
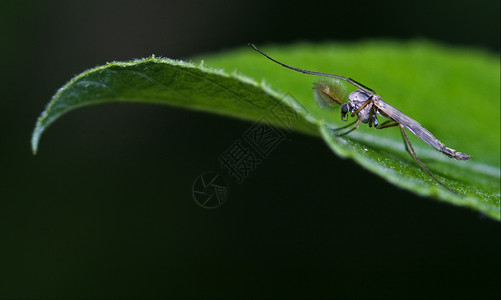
{"points": [[367, 106]]}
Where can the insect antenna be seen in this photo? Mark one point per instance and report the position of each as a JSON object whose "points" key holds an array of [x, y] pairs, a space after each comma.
{"points": [[347, 79]]}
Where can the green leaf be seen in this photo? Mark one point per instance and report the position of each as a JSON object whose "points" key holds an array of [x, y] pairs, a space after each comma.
{"points": [[453, 92]]}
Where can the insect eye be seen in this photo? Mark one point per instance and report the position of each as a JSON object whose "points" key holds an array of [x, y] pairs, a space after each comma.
{"points": [[345, 108]]}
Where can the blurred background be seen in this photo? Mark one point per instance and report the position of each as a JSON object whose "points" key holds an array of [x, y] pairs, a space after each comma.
{"points": [[105, 208]]}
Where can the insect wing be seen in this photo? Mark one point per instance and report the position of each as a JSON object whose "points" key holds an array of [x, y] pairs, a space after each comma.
{"points": [[413, 126]]}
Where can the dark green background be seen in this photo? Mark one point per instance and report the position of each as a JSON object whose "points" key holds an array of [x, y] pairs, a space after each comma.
{"points": [[105, 209]]}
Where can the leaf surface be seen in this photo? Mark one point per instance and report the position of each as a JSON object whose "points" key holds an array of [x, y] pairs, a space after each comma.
{"points": [[452, 92]]}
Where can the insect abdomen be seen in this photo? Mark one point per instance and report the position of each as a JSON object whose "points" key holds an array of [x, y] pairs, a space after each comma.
{"points": [[454, 154]]}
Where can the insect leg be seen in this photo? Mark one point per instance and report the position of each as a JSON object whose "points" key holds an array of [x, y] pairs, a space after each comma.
{"points": [[359, 121], [387, 124], [372, 114], [410, 149], [344, 127]]}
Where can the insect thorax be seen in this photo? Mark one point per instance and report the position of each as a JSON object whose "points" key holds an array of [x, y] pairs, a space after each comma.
{"points": [[357, 99]]}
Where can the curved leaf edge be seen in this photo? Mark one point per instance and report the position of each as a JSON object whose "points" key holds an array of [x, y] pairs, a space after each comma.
{"points": [[45, 119], [431, 191]]}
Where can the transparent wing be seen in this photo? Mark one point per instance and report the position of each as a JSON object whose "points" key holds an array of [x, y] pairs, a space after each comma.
{"points": [[413, 126]]}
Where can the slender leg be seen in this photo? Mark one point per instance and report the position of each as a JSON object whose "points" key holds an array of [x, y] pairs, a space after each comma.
{"points": [[357, 123], [370, 116], [344, 127], [410, 149], [387, 124]]}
